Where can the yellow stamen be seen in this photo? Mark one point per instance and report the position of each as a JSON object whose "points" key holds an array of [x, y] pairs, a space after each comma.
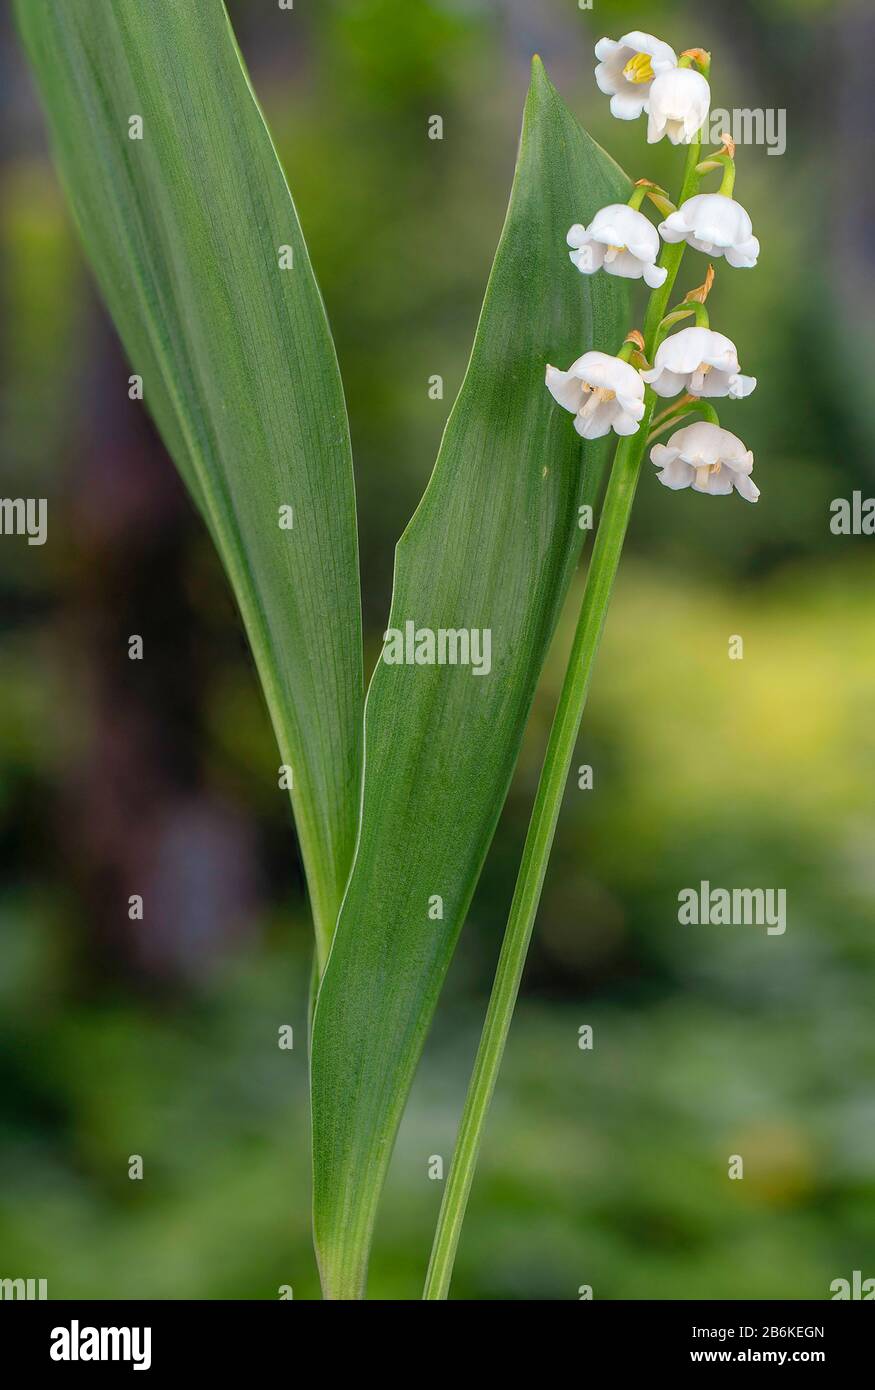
{"points": [[639, 69]]}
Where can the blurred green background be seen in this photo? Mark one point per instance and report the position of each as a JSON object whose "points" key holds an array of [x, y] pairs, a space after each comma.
{"points": [[159, 1037]]}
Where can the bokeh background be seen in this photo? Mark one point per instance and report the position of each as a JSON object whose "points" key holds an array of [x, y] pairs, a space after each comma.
{"points": [[159, 1037]]}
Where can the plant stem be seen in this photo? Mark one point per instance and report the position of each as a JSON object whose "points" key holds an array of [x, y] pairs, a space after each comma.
{"points": [[611, 533], [560, 750], [671, 256]]}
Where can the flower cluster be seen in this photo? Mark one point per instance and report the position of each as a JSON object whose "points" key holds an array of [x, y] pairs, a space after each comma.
{"points": [[643, 76]]}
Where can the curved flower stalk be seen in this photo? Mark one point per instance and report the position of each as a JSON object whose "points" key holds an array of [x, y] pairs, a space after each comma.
{"points": [[701, 456]]}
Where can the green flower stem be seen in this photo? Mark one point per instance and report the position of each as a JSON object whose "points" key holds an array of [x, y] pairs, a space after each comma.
{"points": [[539, 841], [611, 533], [671, 422], [671, 258], [727, 183], [690, 309]]}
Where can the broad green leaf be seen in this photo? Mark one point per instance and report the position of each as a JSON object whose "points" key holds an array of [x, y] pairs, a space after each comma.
{"points": [[187, 220], [491, 546]]}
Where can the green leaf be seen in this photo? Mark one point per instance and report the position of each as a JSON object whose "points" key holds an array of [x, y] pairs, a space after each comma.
{"points": [[491, 546], [184, 229]]}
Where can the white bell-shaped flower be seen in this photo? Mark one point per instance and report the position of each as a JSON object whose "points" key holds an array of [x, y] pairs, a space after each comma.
{"points": [[706, 458], [621, 241], [715, 224], [603, 393], [678, 105], [701, 362], [627, 68]]}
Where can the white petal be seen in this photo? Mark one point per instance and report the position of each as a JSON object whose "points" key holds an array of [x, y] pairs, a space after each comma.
{"points": [[712, 383], [655, 127], [718, 484], [654, 275], [609, 73], [661, 55], [628, 105], [624, 422], [594, 425], [608, 226], [619, 225], [703, 442], [745, 256], [645, 244], [675, 475], [611, 373], [713, 232], [674, 228], [580, 364], [625, 265], [663, 454], [606, 79], [720, 352], [606, 48], [746, 487], [692, 122], [632, 406], [565, 388], [678, 101], [697, 443], [742, 462], [588, 258], [713, 218], [665, 383], [683, 351], [741, 386]]}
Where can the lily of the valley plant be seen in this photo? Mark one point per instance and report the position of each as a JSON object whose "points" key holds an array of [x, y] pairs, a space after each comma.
{"points": [[618, 394], [187, 219]]}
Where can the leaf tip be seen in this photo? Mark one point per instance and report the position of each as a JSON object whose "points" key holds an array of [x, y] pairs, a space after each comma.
{"points": [[540, 84]]}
